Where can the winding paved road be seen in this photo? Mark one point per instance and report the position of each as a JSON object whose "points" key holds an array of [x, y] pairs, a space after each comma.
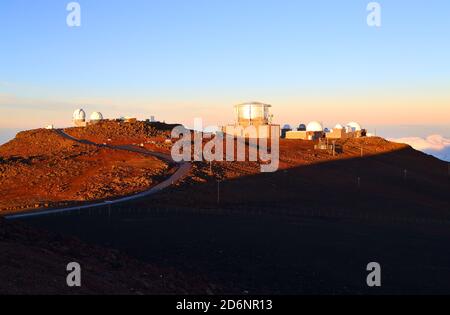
{"points": [[182, 171]]}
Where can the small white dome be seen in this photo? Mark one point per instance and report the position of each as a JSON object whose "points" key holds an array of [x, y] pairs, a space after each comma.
{"points": [[338, 126], [79, 114], [354, 126], [314, 126], [96, 116]]}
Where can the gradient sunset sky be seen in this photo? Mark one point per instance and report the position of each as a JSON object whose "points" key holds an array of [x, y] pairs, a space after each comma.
{"points": [[181, 59]]}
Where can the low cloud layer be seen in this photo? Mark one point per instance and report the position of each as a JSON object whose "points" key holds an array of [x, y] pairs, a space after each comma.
{"points": [[436, 145]]}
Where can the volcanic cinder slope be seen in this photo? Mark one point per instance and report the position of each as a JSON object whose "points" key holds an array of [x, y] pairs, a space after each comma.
{"points": [[311, 227], [370, 176], [41, 169], [33, 261], [117, 133]]}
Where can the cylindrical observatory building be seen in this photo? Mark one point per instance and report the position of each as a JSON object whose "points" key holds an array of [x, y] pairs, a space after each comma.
{"points": [[252, 119], [252, 114]]}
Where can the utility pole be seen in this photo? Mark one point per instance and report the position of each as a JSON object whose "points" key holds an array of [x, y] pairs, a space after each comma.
{"points": [[109, 208], [218, 192]]}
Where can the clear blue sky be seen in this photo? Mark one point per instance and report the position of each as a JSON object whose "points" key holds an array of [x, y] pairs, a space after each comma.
{"points": [[181, 58]]}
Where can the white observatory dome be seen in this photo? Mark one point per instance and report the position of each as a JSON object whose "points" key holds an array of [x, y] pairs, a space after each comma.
{"points": [[314, 126], [354, 126], [339, 127], [96, 116], [79, 114]]}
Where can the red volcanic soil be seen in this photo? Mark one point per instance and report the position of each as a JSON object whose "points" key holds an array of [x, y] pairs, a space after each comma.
{"points": [[306, 229], [39, 168], [310, 179], [366, 175], [151, 135], [34, 262], [310, 227]]}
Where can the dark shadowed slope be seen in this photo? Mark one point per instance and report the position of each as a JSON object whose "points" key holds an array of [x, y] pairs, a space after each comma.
{"points": [[306, 229]]}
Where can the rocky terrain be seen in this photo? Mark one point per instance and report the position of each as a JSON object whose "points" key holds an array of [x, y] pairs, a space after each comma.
{"points": [[371, 175], [34, 262], [119, 132], [310, 227], [41, 169]]}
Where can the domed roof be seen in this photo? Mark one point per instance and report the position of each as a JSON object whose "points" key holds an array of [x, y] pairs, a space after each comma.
{"points": [[79, 114], [287, 126], [302, 127], [314, 126], [338, 126], [354, 125], [96, 116]]}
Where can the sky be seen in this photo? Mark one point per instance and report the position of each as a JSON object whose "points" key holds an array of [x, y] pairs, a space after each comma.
{"points": [[182, 59]]}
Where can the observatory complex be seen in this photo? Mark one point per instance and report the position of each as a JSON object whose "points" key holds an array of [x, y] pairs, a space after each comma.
{"points": [[257, 114], [79, 118], [252, 114], [254, 120], [351, 130], [315, 130]]}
